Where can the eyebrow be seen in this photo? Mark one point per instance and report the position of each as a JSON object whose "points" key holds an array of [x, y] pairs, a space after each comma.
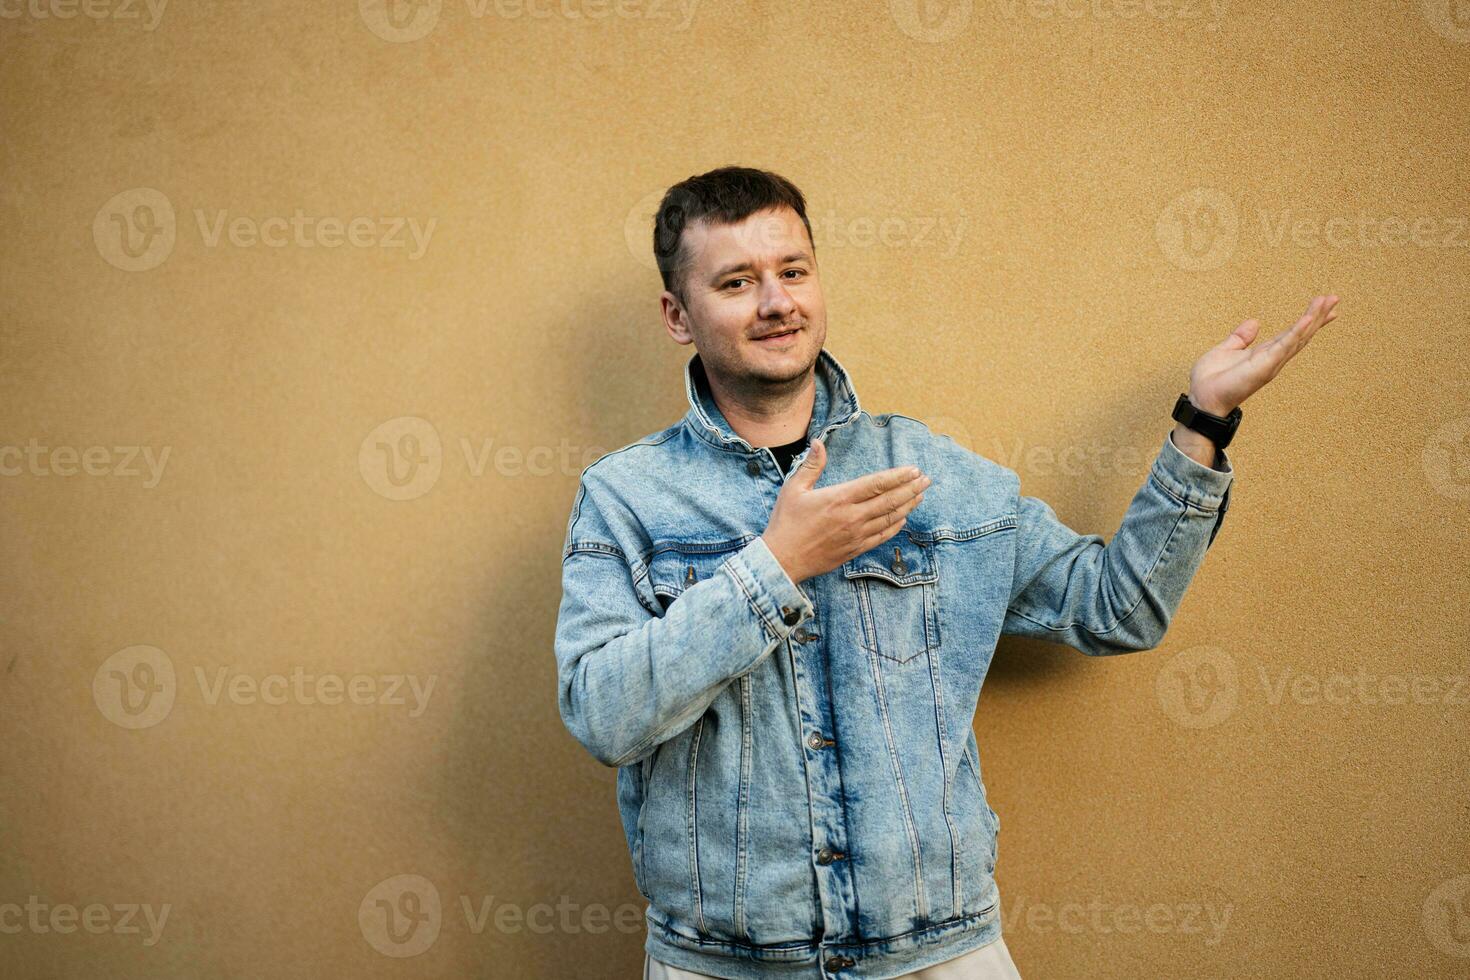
{"points": [[742, 266]]}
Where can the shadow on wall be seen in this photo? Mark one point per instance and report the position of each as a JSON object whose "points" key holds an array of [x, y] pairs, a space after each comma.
{"points": [[531, 818]]}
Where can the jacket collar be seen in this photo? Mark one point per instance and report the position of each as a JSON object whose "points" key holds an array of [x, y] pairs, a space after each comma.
{"points": [[835, 404]]}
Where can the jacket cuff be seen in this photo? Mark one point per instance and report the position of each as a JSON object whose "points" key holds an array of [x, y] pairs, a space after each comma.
{"points": [[778, 601], [1191, 481]]}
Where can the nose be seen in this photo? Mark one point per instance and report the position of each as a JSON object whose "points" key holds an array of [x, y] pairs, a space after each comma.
{"points": [[775, 302]]}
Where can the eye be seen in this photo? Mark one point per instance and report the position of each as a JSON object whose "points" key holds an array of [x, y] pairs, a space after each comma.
{"points": [[799, 272], [733, 282]]}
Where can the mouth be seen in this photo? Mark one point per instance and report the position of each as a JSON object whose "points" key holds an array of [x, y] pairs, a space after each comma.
{"points": [[779, 339]]}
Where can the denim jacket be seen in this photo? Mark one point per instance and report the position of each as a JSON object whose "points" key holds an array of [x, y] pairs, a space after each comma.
{"points": [[798, 778]]}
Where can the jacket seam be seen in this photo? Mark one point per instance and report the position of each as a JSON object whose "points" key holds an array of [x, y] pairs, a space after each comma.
{"points": [[656, 439], [587, 545], [695, 886], [809, 947], [750, 600], [921, 905], [1184, 497]]}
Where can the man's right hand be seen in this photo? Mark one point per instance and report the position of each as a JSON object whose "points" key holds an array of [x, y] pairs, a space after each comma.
{"points": [[813, 531]]}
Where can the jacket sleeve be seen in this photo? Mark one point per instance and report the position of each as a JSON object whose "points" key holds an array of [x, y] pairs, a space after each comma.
{"points": [[1102, 599], [629, 679]]}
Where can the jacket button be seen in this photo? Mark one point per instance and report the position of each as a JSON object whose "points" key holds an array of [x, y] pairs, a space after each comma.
{"points": [[815, 740], [753, 468], [838, 963], [826, 855], [802, 636], [790, 615]]}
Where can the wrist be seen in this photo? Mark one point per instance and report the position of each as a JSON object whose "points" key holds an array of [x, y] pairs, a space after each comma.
{"points": [[1195, 445], [1214, 407], [787, 566]]}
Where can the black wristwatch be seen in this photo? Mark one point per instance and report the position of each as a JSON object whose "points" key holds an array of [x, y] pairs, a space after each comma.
{"points": [[1218, 429]]}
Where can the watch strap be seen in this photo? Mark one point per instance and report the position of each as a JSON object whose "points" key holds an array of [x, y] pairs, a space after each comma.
{"points": [[1218, 429]]}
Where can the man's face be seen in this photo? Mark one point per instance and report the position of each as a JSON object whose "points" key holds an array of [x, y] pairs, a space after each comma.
{"points": [[745, 281]]}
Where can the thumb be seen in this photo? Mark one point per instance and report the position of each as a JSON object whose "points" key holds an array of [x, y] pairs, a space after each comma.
{"points": [[1242, 336], [811, 468]]}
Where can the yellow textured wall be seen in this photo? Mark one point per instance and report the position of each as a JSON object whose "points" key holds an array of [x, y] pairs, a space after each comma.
{"points": [[304, 441]]}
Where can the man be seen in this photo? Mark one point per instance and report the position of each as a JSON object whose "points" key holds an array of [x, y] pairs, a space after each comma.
{"points": [[784, 664]]}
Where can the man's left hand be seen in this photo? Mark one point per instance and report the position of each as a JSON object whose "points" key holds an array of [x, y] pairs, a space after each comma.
{"points": [[1232, 371]]}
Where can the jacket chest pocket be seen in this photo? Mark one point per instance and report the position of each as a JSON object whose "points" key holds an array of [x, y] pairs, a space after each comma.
{"points": [[896, 588], [676, 567]]}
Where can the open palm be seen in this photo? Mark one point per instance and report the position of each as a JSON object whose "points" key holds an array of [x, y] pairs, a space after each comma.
{"points": [[1232, 371]]}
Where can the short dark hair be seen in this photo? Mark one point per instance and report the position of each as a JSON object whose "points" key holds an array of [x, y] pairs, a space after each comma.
{"points": [[723, 196]]}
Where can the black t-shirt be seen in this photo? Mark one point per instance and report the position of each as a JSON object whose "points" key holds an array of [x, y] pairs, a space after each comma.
{"points": [[785, 454]]}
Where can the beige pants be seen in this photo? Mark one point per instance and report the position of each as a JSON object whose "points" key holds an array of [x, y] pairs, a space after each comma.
{"points": [[991, 962]]}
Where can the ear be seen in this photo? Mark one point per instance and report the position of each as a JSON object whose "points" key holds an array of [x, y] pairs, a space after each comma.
{"points": [[676, 319]]}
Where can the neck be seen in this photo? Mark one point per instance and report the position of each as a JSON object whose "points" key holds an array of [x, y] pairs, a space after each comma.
{"points": [[765, 413]]}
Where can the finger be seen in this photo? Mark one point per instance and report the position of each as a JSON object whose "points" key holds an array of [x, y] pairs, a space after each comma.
{"points": [[879, 533], [1303, 331], [875, 484], [881, 519], [890, 500], [1325, 315], [810, 470], [1291, 334]]}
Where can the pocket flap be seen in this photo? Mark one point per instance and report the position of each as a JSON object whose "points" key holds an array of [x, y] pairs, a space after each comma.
{"points": [[676, 566], [899, 560]]}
